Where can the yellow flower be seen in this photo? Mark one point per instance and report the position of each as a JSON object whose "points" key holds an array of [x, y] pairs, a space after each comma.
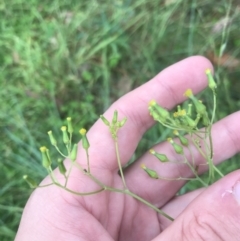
{"points": [[43, 149], [170, 140], [82, 131], [152, 151], [152, 103], [182, 112], [175, 114], [208, 71], [175, 132], [188, 93]]}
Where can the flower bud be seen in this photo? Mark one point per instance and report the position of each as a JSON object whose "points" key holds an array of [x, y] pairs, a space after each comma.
{"points": [[211, 83], [73, 155], [85, 142], [154, 114], [31, 182], [52, 139], [115, 117], [205, 119], [200, 107], [179, 108], [190, 121], [189, 112], [70, 127], [122, 122], [164, 114], [61, 167], [46, 162], [188, 93], [105, 121], [65, 135], [160, 157], [151, 173], [178, 149], [183, 139]]}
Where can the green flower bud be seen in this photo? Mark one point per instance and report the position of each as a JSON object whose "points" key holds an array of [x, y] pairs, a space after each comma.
{"points": [[32, 183], [160, 157], [178, 149], [115, 117], [65, 135], [48, 155], [205, 119], [151, 173], [190, 121], [46, 162], [52, 139], [211, 83], [105, 121], [70, 127], [179, 108], [73, 155], [161, 111], [154, 114], [189, 112], [197, 118], [85, 142], [183, 140], [61, 167], [200, 107], [122, 122]]}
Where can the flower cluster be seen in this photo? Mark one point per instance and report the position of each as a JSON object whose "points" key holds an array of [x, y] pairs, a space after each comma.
{"points": [[186, 121]]}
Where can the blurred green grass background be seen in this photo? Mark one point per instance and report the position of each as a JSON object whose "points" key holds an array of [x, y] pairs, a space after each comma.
{"points": [[74, 58]]}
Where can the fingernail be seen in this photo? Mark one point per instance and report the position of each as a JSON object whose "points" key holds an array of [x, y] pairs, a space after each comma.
{"points": [[236, 191]]}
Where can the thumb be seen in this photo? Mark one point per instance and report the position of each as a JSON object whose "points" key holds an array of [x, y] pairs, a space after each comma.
{"points": [[213, 215]]}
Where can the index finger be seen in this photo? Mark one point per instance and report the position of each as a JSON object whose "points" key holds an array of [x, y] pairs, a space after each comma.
{"points": [[166, 88]]}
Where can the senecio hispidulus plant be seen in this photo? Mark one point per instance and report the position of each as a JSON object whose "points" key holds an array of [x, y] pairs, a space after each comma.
{"points": [[191, 128]]}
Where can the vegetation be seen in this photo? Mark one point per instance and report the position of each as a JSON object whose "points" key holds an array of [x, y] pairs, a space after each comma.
{"points": [[74, 58]]}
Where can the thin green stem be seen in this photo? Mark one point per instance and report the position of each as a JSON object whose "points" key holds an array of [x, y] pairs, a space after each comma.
{"points": [[148, 204], [70, 142], [88, 162], [68, 174], [192, 157], [177, 178], [210, 127], [194, 172], [52, 176], [126, 191], [90, 175], [179, 128], [79, 193], [96, 180], [104, 187], [47, 185], [199, 149], [218, 171], [119, 162], [60, 151]]}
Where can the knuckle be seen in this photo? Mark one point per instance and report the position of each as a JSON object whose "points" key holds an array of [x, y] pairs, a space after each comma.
{"points": [[202, 227]]}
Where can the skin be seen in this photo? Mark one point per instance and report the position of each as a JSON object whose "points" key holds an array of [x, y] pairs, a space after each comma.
{"points": [[211, 213]]}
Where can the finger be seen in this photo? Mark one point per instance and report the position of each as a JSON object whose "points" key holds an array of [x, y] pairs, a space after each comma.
{"points": [[225, 134], [166, 88], [213, 215], [177, 205]]}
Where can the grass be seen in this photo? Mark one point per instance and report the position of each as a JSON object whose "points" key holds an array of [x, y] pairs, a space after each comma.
{"points": [[74, 58]]}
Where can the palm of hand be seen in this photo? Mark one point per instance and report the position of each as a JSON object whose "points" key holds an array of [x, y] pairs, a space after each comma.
{"points": [[53, 214]]}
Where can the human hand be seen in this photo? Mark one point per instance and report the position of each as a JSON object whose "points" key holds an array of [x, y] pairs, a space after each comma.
{"points": [[205, 214]]}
